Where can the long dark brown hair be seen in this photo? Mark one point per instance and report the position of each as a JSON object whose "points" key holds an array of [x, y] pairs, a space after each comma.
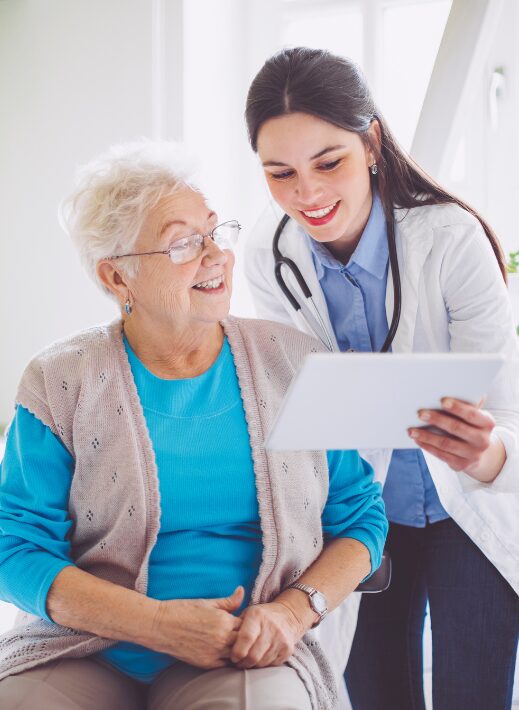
{"points": [[332, 88]]}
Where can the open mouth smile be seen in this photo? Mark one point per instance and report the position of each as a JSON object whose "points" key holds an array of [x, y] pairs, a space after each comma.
{"points": [[215, 284], [322, 215]]}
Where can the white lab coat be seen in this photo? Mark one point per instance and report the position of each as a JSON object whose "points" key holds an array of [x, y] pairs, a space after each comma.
{"points": [[453, 300]]}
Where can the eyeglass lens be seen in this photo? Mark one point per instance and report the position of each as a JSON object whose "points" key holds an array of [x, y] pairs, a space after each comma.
{"points": [[224, 235]]}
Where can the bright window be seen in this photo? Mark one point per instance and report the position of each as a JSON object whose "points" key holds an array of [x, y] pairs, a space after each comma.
{"points": [[411, 35], [334, 28], [408, 37]]}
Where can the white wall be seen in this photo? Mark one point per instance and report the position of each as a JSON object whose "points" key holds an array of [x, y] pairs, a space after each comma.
{"points": [[473, 149], [77, 76], [74, 78]]}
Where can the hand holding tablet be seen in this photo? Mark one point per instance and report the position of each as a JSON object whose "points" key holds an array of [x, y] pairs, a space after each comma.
{"points": [[368, 400]]}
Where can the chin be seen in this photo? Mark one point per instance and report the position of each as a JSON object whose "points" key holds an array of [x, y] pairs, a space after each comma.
{"points": [[326, 236], [220, 311], [332, 232]]}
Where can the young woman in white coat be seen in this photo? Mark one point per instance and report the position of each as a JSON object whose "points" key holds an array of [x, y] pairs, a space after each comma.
{"points": [[367, 228]]}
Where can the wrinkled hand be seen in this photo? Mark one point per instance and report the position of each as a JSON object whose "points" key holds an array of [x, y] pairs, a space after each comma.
{"points": [[465, 437], [267, 636], [200, 632]]}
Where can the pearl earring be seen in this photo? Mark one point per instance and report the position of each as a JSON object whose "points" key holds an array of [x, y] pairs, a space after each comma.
{"points": [[374, 169]]}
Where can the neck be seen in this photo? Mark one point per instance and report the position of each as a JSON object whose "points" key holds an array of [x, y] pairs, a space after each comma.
{"points": [[342, 250], [172, 352]]}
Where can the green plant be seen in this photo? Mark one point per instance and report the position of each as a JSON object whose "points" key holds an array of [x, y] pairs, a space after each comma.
{"points": [[512, 265]]}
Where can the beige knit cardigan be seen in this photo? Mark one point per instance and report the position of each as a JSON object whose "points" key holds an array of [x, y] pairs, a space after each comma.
{"points": [[82, 389]]}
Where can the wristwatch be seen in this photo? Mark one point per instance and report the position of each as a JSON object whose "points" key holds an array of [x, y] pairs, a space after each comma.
{"points": [[316, 598]]}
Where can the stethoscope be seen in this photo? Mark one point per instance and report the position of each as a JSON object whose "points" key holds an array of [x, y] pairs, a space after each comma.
{"points": [[310, 313]]}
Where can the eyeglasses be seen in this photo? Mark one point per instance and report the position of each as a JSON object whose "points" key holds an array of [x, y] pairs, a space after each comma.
{"points": [[182, 251]]}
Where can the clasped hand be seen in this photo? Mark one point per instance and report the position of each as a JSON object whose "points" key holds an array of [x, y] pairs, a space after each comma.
{"points": [[267, 636], [200, 632], [206, 634]]}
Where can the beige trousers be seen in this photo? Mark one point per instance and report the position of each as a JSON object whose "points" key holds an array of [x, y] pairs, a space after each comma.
{"points": [[85, 684]]}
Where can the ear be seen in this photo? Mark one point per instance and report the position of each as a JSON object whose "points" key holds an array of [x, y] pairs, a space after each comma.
{"points": [[113, 279], [375, 136]]}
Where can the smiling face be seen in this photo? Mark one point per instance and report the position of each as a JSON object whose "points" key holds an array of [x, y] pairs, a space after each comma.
{"points": [[319, 175], [195, 293]]}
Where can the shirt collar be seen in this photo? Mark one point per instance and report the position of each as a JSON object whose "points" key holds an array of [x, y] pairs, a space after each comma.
{"points": [[371, 253]]}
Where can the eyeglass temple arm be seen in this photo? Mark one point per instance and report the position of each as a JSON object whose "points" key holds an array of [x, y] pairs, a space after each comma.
{"points": [[140, 253]]}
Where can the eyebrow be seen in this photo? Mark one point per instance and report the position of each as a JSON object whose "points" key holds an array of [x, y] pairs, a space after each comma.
{"points": [[328, 149], [166, 226], [181, 223]]}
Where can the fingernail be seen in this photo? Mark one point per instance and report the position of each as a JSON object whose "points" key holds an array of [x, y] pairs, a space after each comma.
{"points": [[413, 433], [447, 403], [424, 415]]}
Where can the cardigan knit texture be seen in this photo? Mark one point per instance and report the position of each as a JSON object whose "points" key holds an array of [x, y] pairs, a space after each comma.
{"points": [[82, 389]]}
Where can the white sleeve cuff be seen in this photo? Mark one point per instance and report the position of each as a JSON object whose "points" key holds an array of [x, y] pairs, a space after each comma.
{"points": [[507, 480]]}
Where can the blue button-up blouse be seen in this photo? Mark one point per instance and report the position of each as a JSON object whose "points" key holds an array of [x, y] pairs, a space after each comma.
{"points": [[355, 295]]}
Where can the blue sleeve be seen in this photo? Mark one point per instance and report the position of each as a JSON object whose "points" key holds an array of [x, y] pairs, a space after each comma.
{"points": [[355, 508], [35, 479]]}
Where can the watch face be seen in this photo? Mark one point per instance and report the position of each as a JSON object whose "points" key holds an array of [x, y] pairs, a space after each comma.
{"points": [[319, 603]]}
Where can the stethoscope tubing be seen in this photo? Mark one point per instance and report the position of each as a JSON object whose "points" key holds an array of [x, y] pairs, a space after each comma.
{"points": [[281, 261]]}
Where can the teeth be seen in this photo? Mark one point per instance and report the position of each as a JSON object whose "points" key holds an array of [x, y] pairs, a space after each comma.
{"points": [[213, 283], [320, 213]]}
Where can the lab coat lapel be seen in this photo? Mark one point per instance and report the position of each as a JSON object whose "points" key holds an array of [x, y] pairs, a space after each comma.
{"points": [[414, 241], [293, 244]]}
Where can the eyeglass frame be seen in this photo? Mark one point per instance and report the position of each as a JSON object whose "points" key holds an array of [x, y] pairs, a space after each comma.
{"points": [[167, 252]]}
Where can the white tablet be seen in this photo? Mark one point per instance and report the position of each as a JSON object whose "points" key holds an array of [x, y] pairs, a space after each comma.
{"points": [[368, 400]]}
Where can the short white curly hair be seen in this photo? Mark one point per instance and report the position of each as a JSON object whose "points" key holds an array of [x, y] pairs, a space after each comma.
{"points": [[115, 192]]}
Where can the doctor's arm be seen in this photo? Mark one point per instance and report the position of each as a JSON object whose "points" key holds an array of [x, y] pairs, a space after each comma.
{"points": [[468, 443], [480, 320]]}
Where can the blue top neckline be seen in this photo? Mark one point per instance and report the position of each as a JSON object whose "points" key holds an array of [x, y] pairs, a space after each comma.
{"points": [[177, 397]]}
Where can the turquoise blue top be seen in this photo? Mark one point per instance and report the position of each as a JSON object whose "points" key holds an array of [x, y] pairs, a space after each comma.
{"points": [[210, 537], [355, 295]]}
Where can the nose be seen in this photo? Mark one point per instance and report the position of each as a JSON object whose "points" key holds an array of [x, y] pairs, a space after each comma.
{"points": [[308, 191], [212, 253]]}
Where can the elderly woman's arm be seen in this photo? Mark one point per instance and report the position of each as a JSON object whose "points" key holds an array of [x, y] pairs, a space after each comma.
{"points": [[36, 475], [355, 529], [35, 479], [198, 631]]}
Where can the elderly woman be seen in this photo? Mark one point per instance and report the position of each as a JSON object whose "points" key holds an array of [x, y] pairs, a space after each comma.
{"points": [[155, 544]]}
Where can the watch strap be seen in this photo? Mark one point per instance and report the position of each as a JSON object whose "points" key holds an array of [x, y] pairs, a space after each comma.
{"points": [[310, 591], [303, 587]]}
